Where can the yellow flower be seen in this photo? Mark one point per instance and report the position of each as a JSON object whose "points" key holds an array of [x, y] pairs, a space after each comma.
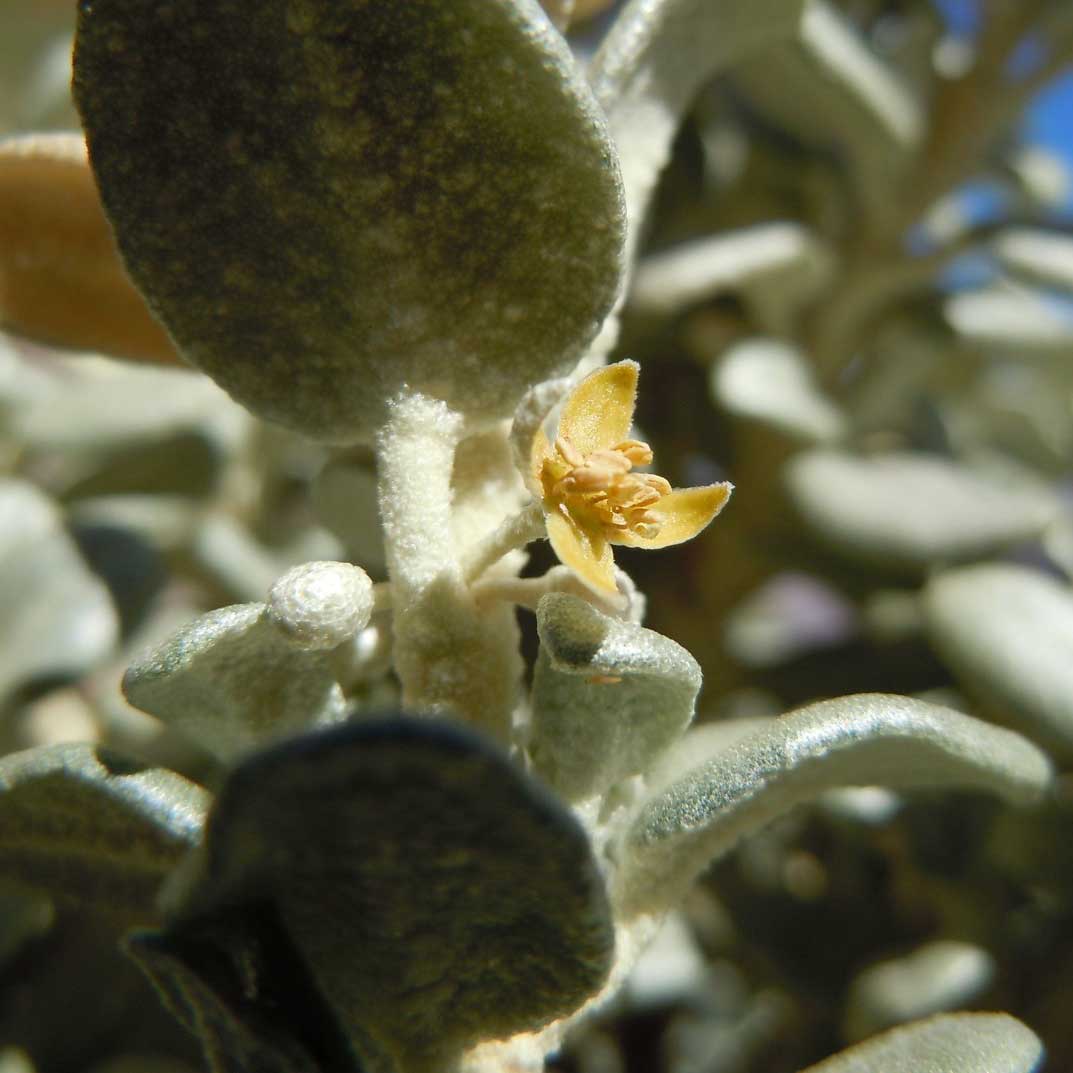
{"points": [[591, 494]]}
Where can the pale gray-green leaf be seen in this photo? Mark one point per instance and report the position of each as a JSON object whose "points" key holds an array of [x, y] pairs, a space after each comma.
{"points": [[57, 617], [769, 381], [850, 741], [776, 267], [909, 511], [936, 977], [832, 91], [438, 896], [608, 697], [1041, 256], [1007, 633], [99, 405], [92, 829], [230, 680], [433, 204], [949, 1043], [1010, 319], [655, 58]]}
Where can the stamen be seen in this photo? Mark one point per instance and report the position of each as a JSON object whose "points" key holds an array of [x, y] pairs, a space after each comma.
{"points": [[639, 453], [601, 488]]}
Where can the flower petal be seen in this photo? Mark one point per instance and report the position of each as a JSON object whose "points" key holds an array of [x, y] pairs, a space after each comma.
{"points": [[590, 559], [599, 412], [686, 512]]}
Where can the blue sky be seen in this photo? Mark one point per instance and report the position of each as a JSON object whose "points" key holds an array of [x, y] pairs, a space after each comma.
{"points": [[1049, 121]]}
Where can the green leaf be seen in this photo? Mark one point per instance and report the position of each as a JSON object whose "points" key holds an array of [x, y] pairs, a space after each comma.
{"points": [[950, 1043], [608, 697], [654, 60], [850, 741], [437, 895], [92, 829], [1007, 633], [907, 512], [56, 617], [231, 679], [432, 204]]}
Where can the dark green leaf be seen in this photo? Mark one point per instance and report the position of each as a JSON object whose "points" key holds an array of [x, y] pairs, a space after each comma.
{"points": [[438, 896]]}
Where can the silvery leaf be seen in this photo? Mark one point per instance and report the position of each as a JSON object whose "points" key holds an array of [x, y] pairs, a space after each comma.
{"points": [[949, 1043], [92, 829], [907, 511], [829, 88], [231, 679], [387, 223], [1041, 256], [504, 924], [235, 980], [1007, 633], [776, 267], [769, 381], [608, 697], [97, 405], [1011, 319], [938, 976], [58, 618], [851, 741], [656, 56]]}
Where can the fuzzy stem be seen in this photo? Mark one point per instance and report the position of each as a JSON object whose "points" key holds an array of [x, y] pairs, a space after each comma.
{"points": [[514, 532], [451, 656], [416, 450]]}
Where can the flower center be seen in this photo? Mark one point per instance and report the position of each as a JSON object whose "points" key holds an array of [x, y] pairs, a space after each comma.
{"points": [[600, 491]]}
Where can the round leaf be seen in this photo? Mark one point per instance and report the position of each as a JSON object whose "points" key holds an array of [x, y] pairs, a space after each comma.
{"points": [[438, 896], [328, 201]]}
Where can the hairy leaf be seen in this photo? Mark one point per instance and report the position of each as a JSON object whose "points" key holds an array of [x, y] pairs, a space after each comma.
{"points": [[909, 511], [775, 268], [938, 976], [608, 697], [1007, 633], [1005, 318], [851, 741], [57, 616], [656, 56], [237, 984], [767, 380], [833, 92], [1040, 256], [437, 895], [431, 203], [231, 679], [92, 829], [951, 1043]]}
